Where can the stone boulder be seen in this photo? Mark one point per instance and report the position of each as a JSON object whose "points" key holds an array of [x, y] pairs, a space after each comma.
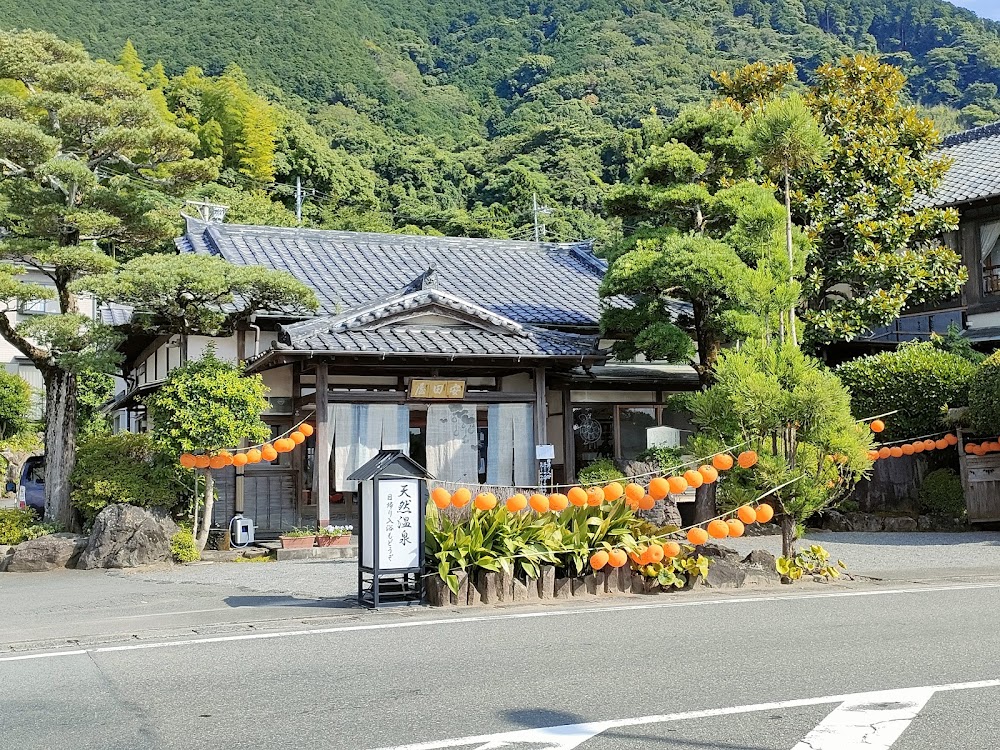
{"points": [[719, 551], [46, 553], [725, 574], [126, 536], [834, 520], [759, 567], [6, 553], [865, 521], [900, 523]]}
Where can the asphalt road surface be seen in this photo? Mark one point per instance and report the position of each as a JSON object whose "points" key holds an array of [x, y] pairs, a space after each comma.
{"points": [[906, 666]]}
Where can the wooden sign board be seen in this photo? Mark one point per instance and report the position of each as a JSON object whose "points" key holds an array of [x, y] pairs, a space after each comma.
{"points": [[437, 389]]}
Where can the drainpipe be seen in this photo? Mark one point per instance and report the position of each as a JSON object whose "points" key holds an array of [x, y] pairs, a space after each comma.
{"points": [[256, 334]]}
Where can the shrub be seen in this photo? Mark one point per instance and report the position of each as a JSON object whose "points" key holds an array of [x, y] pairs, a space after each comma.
{"points": [[918, 379], [941, 494], [182, 547], [984, 396], [121, 468], [662, 456], [19, 525], [600, 471]]}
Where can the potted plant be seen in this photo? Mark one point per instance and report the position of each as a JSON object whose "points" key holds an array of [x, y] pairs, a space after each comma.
{"points": [[334, 536], [298, 539]]}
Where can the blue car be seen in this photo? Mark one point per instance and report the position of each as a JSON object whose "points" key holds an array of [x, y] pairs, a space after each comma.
{"points": [[31, 493]]}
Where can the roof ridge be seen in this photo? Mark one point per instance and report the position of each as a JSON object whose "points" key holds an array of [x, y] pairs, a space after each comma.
{"points": [[973, 134]]}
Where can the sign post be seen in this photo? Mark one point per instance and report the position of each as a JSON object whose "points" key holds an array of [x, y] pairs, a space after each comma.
{"points": [[393, 505]]}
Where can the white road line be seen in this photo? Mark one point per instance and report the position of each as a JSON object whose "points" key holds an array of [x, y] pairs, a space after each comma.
{"points": [[569, 736], [867, 723], [444, 621]]}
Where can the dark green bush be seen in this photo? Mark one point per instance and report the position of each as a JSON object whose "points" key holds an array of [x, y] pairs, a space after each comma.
{"points": [[984, 396], [19, 525], [941, 494], [918, 379], [121, 468], [600, 471]]}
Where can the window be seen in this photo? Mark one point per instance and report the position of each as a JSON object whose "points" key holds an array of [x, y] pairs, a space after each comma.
{"points": [[622, 431], [989, 253], [39, 307]]}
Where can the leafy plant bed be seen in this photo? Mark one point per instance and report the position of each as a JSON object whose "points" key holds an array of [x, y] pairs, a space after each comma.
{"points": [[297, 542], [333, 541]]}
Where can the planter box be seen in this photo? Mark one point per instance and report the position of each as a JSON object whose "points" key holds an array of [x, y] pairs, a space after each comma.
{"points": [[333, 541], [297, 542]]}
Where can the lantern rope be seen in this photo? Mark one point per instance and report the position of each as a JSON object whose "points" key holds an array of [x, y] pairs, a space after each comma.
{"points": [[913, 439], [284, 434], [876, 416]]}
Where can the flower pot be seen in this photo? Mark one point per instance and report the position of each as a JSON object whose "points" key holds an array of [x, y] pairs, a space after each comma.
{"points": [[333, 541], [297, 542]]}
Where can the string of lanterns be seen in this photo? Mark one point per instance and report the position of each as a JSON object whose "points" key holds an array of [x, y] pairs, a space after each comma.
{"points": [[919, 445], [286, 442]]}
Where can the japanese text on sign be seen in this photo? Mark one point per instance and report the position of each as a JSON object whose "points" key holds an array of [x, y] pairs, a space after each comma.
{"points": [[399, 538], [437, 389]]}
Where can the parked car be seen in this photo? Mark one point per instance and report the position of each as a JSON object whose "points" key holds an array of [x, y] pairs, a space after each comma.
{"points": [[31, 493]]}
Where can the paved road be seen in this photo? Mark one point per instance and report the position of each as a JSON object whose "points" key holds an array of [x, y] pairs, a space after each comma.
{"points": [[766, 670]]}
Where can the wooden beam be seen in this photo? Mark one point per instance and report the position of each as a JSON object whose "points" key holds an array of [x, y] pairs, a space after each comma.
{"points": [[321, 466], [569, 437], [541, 409]]}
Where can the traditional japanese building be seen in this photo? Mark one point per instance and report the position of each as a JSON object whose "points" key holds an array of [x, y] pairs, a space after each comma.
{"points": [[472, 355]]}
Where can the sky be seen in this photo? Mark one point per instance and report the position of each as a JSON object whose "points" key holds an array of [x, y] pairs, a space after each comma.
{"points": [[985, 8]]}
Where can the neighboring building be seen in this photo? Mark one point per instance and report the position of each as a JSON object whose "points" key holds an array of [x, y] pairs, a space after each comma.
{"points": [[466, 353]]}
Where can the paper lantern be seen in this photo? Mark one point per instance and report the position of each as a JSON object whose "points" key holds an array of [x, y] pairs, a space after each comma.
{"points": [[659, 488], [884, 452], [306, 429], [227, 458], [613, 491], [951, 439], [201, 462], [941, 444], [747, 514], [877, 425], [873, 455], [539, 503], [297, 437], [253, 456], [646, 503], [708, 474], [595, 496], [240, 459], [918, 446], [676, 485], [907, 449], [671, 549], [993, 446], [267, 452], [718, 529], [599, 559], [736, 527], [697, 536], [617, 558], [461, 497], [764, 513], [929, 444], [722, 462], [747, 459], [188, 461], [896, 452], [217, 462], [558, 502], [441, 497], [635, 492], [693, 478], [485, 501], [284, 445], [577, 496], [654, 554]]}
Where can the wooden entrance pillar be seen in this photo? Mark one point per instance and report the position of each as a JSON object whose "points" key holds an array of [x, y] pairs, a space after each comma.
{"points": [[321, 464], [541, 409]]}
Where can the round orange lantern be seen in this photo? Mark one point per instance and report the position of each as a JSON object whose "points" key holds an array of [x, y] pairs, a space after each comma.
{"points": [[485, 501], [617, 558], [873, 455], [240, 459], [267, 452], [516, 503], [595, 496], [654, 554], [929, 444], [722, 462], [747, 459], [253, 456], [877, 425], [907, 449], [634, 492], [441, 497], [217, 462], [558, 502], [693, 478], [461, 497], [884, 452], [297, 437], [895, 451], [697, 536], [708, 473], [577, 496], [951, 439], [671, 549], [646, 503], [747, 514], [284, 445], [970, 447], [993, 446], [188, 461], [659, 488], [941, 444], [202, 461], [613, 491], [677, 485], [764, 513], [539, 503], [718, 529], [736, 527], [306, 429], [918, 446], [599, 559]]}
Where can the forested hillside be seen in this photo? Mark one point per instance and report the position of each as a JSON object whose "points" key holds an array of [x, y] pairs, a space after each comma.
{"points": [[457, 111]]}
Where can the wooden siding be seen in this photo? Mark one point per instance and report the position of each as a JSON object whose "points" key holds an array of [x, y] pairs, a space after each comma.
{"points": [[269, 499]]}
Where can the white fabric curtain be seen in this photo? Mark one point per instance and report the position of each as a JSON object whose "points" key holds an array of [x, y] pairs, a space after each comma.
{"points": [[988, 236], [452, 443], [359, 431], [510, 447]]}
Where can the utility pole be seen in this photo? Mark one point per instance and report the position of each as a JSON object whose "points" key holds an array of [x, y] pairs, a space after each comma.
{"points": [[537, 211], [298, 200]]}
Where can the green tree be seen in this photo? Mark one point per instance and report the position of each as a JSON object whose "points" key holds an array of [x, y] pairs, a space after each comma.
{"points": [[249, 124], [207, 405], [15, 403], [130, 62], [85, 166]]}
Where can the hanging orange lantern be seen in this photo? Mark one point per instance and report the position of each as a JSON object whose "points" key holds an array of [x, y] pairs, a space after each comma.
{"points": [[736, 528], [539, 503], [676, 486], [671, 549], [764, 513], [517, 503], [646, 503], [217, 462], [747, 514], [708, 474], [188, 461], [884, 452], [441, 497], [613, 491], [659, 488], [993, 446], [697, 536], [485, 501], [599, 559], [617, 558], [877, 425], [202, 461], [907, 449], [461, 497], [595, 496], [693, 478], [747, 459], [929, 444], [284, 445], [896, 451], [654, 554], [306, 429], [577, 496], [951, 439], [718, 529], [918, 446], [297, 437], [873, 455], [253, 456], [634, 492], [558, 502], [941, 444], [722, 462], [268, 453], [240, 459]]}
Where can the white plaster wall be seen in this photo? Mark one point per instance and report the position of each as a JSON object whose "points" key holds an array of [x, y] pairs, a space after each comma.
{"points": [[984, 320], [278, 381], [614, 397], [519, 383]]}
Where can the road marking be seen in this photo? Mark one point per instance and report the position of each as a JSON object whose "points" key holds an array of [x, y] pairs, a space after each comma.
{"points": [[865, 723], [569, 736], [443, 621]]}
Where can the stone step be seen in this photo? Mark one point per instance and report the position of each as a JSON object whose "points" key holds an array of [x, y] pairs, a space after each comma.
{"points": [[317, 553]]}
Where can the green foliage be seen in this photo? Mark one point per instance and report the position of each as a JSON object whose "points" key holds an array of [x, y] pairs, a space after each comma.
{"points": [[919, 379], [601, 471], [207, 404], [941, 494], [298, 533], [662, 456], [984, 396], [15, 402], [813, 561], [19, 525], [954, 342], [122, 468], [182, 547], [93, 391]]}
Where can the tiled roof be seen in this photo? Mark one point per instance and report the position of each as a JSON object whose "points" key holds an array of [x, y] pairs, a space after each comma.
{"points": [[546, 284], [975, 172], [115, 315]]}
